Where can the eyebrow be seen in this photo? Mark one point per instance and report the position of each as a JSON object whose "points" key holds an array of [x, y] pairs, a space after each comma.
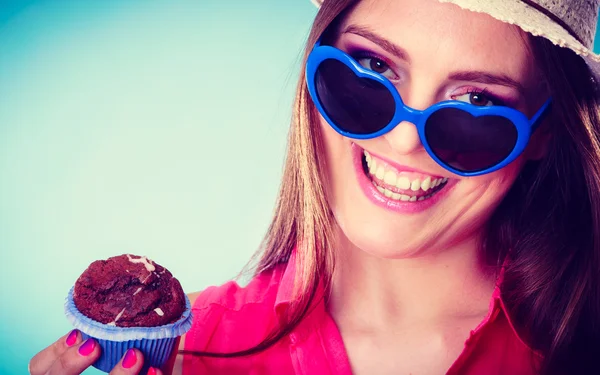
{"points": [[390, 47], [487, 78], [399, 52]]}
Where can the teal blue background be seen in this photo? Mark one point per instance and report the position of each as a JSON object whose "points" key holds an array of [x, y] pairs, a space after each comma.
{"points": [[155, 127]]}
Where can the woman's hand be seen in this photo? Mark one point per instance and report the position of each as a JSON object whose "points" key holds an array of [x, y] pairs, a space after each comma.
{"points": [[70, 355]]}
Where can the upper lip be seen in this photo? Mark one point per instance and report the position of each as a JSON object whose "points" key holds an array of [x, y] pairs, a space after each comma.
{"points": [[399, 167]]}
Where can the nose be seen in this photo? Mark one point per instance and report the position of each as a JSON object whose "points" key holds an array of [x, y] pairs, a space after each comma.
{"points": [[404, 138]]}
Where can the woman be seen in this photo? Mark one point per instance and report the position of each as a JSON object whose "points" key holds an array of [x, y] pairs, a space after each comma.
{"points": [[440, 205]]}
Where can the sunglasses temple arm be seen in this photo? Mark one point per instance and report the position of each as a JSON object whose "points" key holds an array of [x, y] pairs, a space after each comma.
{"points": [[540, 115]]}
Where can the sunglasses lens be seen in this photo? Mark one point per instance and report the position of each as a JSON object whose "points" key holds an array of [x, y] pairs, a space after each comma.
{"points": [[468, 143], [356, 105]]}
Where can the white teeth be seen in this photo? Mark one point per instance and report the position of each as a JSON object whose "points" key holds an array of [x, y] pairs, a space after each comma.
{"points": [[380, 172], [390, 178], [403, 183], [416, 185], [400, 197], [372, 167]]}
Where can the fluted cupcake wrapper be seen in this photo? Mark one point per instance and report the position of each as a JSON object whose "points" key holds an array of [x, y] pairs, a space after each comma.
{"points": [[156, 343], [156, 352]]}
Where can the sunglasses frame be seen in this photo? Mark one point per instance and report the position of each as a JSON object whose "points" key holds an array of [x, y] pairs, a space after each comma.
{"points": [[524, 126]]}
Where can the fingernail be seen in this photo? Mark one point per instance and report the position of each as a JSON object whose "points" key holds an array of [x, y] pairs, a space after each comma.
{"points": [[130, 359], [151, 371], [87, 347], [72, 338]]}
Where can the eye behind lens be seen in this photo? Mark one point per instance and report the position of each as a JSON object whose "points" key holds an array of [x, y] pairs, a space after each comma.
{"points": [[357, 105], [468, 143]]}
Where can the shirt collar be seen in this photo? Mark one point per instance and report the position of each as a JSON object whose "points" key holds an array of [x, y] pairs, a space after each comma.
{"points": [[286, 287], [286, 290]]}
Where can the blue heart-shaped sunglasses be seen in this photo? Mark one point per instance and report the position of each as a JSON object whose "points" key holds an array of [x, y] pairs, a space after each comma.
{"points": [[466, 139]]}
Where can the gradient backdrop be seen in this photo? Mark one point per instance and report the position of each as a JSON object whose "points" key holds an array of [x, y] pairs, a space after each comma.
{"points": [[155, 127]]}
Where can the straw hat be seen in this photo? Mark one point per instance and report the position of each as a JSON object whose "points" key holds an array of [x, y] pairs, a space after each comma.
{"points": [[566, 23]]}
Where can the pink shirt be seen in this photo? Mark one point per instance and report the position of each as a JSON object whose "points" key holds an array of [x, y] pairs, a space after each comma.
{"points": [[231, 318]]}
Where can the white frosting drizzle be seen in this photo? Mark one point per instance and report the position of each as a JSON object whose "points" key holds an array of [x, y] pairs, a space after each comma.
{"points": [[159, 311], [146, 278], [119, 315], [114, 322], [145, 261], [137, 291]]}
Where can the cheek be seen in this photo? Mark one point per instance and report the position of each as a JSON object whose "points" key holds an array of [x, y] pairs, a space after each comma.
{"points": [[505, 177], [486, 192], [337, 158], [353, 212], [332, 140]]}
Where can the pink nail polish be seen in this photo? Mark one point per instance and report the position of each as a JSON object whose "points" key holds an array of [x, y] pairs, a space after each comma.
{"points": [[129, 359], [87, 347], [72, 338], [151, 371]]}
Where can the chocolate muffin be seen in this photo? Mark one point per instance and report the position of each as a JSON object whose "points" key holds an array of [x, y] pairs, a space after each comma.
{"points": [[129, 291]]}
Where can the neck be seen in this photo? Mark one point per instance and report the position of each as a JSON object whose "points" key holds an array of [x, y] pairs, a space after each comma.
{"points": [[436, 287]]}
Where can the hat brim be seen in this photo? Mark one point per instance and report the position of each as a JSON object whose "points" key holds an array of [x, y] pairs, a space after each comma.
{"points": [[530, 20]]}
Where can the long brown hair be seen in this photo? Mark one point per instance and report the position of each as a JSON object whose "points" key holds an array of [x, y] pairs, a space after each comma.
{"points": [[550, 219]]}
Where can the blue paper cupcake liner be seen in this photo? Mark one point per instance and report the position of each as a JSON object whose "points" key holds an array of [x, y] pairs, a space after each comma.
{"points": [[156, 352], [156, 343]]}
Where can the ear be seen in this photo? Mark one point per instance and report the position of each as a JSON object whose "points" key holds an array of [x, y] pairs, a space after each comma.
{"points": [[539, 144]]}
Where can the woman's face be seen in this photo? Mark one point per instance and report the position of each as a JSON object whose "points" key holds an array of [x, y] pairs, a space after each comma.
{"points": [[431, 52]]}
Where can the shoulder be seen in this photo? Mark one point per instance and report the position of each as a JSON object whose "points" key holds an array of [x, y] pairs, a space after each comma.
{"points": [[232, 296], [231, 317]]}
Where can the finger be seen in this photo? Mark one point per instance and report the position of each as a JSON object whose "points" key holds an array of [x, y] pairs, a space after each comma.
{"points": [[43, 361], [76, 359], [131, 363]]}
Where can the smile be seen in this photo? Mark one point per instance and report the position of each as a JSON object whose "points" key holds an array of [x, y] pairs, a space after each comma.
{"points": [[400, 186], [394, 187]]}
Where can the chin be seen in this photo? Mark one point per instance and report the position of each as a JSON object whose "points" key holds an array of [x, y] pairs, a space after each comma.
{"points": [[381, 238]]}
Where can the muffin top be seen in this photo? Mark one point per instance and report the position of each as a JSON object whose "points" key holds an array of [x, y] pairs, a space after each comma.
{"points": [[129, 291]]}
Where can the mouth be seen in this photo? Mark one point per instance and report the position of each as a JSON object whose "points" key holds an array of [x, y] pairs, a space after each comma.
{"points": [[397, 184]]}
